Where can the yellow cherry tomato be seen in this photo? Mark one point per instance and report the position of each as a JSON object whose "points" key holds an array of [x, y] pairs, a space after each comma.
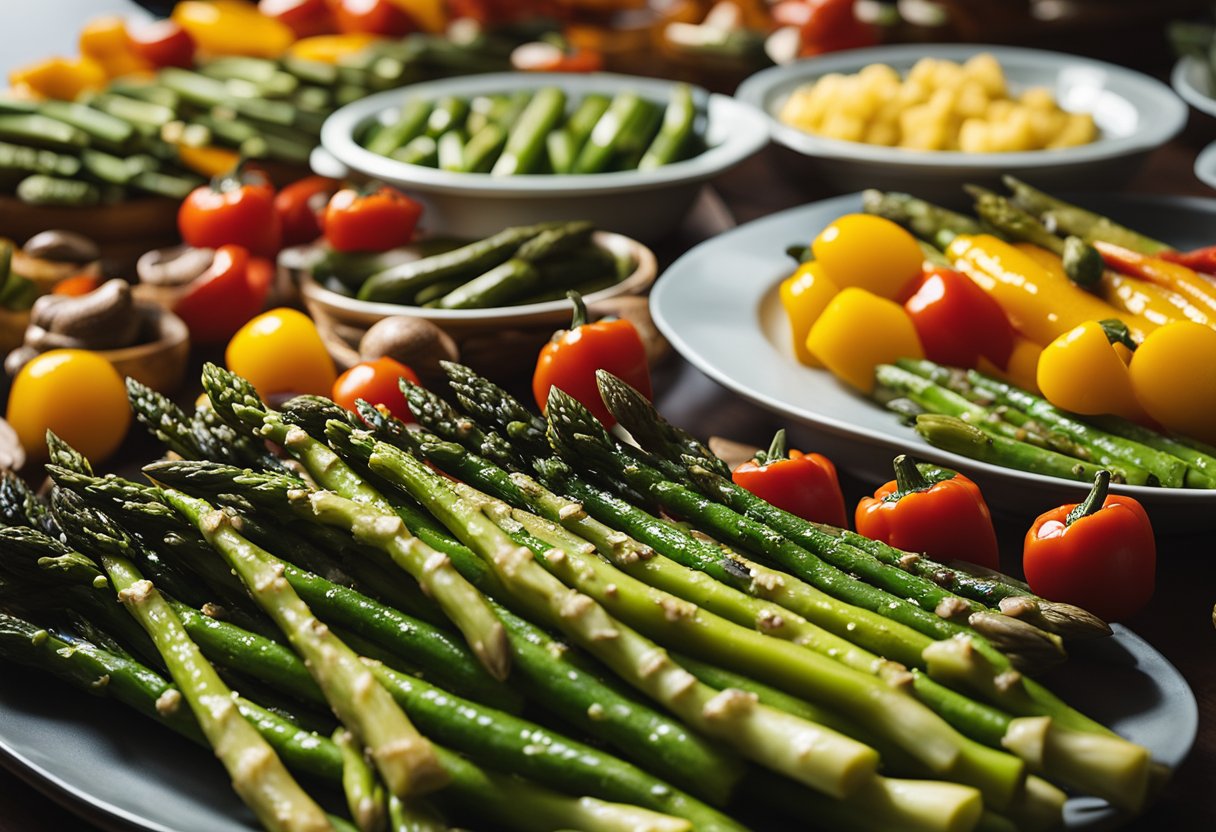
{"points": [[868, 252], [280, 352], [804, 296], [1173, 373], [858, 331], [75, 393]]}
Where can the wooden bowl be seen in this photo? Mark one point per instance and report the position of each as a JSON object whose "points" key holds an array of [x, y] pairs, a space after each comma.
{"points": [[12, 329], [159, 363], [122, 230]]}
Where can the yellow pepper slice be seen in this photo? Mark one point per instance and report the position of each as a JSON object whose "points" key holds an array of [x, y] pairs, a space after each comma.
{"points": [[804, 296], [229, 27], [329, 49], [1041, 304], [208, 161], [1173, 374], [1084, 372], [64, 78], [860, 330], [106, 41], [1023, 365], [869, 252]]}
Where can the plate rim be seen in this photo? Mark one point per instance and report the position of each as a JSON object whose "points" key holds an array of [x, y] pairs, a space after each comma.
{"points": [[752, 293]]}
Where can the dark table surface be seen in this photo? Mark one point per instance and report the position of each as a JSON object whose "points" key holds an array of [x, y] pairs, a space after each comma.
{"points": [[1177, 622]]}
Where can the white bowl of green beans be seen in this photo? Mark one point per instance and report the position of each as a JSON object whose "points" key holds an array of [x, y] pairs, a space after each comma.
{"points": [[489, 151]]}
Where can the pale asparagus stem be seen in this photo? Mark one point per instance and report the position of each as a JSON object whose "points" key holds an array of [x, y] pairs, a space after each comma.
{"points": [[403, 757], [463, 604], [1040, 808], [364, 794], [1106, 766], [413, 817], [257, 773], [801, 750]]}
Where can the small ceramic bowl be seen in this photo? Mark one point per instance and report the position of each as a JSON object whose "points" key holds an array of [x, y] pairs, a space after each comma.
{"points": [[1135, 114], [646, 205], [1192, 80]]}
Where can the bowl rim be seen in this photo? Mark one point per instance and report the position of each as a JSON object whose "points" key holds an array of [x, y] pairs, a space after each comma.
{"points": [[748, 133], [171, 333], [1180, 80], [644, 273], [1148, 135]]}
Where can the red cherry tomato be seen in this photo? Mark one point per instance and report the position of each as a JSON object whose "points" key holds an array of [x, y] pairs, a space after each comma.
{"points": [[304, 17], [163, 43], [236, 208], [299, 206], [376, 17], [226, 296], [377, 382], [376, 221]]}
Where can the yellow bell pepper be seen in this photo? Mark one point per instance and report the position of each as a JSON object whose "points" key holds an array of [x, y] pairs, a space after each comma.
{"points": [[804, 295], [1197, 289], [329, 49], [1084, 371], [860, 330], [1173, 374], [208, 161], [429, 14], [1129, 294], [1041, 304], [230, 27], [106, 41], [64, 78], [1023, 365]]}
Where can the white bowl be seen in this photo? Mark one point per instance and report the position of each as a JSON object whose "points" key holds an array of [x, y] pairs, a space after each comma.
{"points": [[1134, 113], [643, 204], [1192, 80]]}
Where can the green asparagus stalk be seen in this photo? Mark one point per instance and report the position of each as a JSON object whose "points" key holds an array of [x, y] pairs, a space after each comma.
{"points": [[19, 506], [364, 795], [929, 222], [258, 775], [1072, 219], [237, 402], [417, 816], [403, 757], [1201, 472], [506, 802]]}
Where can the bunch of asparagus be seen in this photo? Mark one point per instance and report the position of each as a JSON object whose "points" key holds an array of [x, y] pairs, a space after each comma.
{"points": [[978, 416], [669, 673]]}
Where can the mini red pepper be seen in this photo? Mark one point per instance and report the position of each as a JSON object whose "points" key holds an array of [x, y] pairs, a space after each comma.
{"points": [[943, 517], [236, 208], [802, 484], [222, 299], [957, 321], [570, 359], [1099, 554]]}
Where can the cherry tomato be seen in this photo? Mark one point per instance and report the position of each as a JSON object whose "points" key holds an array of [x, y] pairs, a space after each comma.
{"points": [[377, 17], [76, 286], [376, 221], [304, 17], [299, 206], [229, 293], [164, 43], [75, 393], [280, 352], [236, 208], [868, 252], [377, 382]]}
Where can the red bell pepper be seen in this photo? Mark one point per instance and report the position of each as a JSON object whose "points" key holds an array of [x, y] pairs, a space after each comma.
{"points": [[570, 359], [1099, 554], [802, 484], [236, 208], [957, 321], [223, 298], [945, 518]]}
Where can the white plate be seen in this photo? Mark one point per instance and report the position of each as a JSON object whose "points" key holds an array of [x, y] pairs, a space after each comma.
{"points": [[122, 772], [1134, 114], [718, 306]]}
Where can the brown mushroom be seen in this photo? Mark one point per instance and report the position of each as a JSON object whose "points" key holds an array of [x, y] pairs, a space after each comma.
{"points": [[173, 266], [102, 319], [415, 342], [55, 255]]}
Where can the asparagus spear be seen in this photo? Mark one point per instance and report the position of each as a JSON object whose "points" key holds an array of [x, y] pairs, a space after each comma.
{"points": [[1072, 219], [237, 402], [364, 795], [510, 803], [19, 506], [929, 222], [1201, 472], [258, 775], [403, 757]]}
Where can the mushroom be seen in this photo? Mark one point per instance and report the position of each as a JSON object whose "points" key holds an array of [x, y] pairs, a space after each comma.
{"points": [[51, 256], [173, 266], [103, 319], [415, 342]]}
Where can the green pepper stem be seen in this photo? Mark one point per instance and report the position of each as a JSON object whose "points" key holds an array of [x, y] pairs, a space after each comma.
{"points": [[580, 310], [1093, 501], [776, 449], [908, 478], [1117, 333]]}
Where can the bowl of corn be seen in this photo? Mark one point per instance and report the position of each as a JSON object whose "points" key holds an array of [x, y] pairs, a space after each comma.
{"points": [[928, 118]]}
